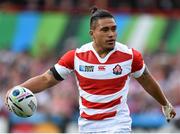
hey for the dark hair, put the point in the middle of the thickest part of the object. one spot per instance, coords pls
(98, 14)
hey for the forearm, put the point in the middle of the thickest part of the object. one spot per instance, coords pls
(35, 84)
(152, 87)
(40, 82)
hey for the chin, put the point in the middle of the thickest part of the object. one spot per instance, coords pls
(109, 48)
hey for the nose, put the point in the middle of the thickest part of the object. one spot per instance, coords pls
(111, 34)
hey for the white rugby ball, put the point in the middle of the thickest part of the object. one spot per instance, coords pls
(22, 101)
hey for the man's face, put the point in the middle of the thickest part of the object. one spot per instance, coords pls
(104, 34)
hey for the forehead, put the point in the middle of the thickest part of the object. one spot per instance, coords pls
(106, 22)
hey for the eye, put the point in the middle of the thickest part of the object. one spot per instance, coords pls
(113, 28)
(105, 29)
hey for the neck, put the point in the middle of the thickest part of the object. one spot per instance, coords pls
(100, 51)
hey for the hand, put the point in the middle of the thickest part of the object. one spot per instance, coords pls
(6, 100)
(168, 112)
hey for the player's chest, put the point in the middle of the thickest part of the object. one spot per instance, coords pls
(100, 71)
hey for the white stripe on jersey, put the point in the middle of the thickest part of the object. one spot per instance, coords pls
(119, 46)
(139, 73)
(63, 71)
(105, 98)
(90, 111)
(120, 122)
(126, 65)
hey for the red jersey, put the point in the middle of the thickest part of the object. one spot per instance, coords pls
(103, 85)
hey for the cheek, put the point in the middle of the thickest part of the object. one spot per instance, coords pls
(100, 38)
(116, 34)
(97, 36)
(101, 35)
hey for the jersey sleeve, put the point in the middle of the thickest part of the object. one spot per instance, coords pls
(138, 65)
(65, 64)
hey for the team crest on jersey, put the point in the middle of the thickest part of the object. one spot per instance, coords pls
(117, 70)
(86, 68)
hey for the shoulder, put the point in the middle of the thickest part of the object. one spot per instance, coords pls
(67, 60)
(69, 53)
(136, 54)
(67, 56)
(123, 48)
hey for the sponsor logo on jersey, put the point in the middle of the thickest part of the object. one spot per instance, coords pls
(86, 68)
(117, 70)
(101, 68)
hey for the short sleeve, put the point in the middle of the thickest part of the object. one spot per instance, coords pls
(65, 64)
(138, 65)
(67, 60)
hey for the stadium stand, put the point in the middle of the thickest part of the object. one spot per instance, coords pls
(51, 28)
(27, 24)
(7, 25)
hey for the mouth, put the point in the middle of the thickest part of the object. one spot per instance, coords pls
(111, 41)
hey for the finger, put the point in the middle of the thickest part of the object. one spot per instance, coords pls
(6, 97)
(172, 114)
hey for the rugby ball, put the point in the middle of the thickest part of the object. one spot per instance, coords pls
(21, 101)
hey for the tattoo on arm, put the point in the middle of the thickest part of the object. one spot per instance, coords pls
(145, 73)
(145, 79)
(50, 72)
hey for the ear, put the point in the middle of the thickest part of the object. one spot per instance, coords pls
(91, 33)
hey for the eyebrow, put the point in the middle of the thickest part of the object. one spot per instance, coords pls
(101, 27)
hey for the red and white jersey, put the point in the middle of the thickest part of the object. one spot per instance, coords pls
(103, 85)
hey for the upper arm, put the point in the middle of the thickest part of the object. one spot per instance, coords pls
(146, 79)
(67, 60)
(65, 64)
(145, 75)
(138, 66)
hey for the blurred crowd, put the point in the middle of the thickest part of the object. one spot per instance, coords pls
(146, 112)
(59, 105)
(84, 5)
